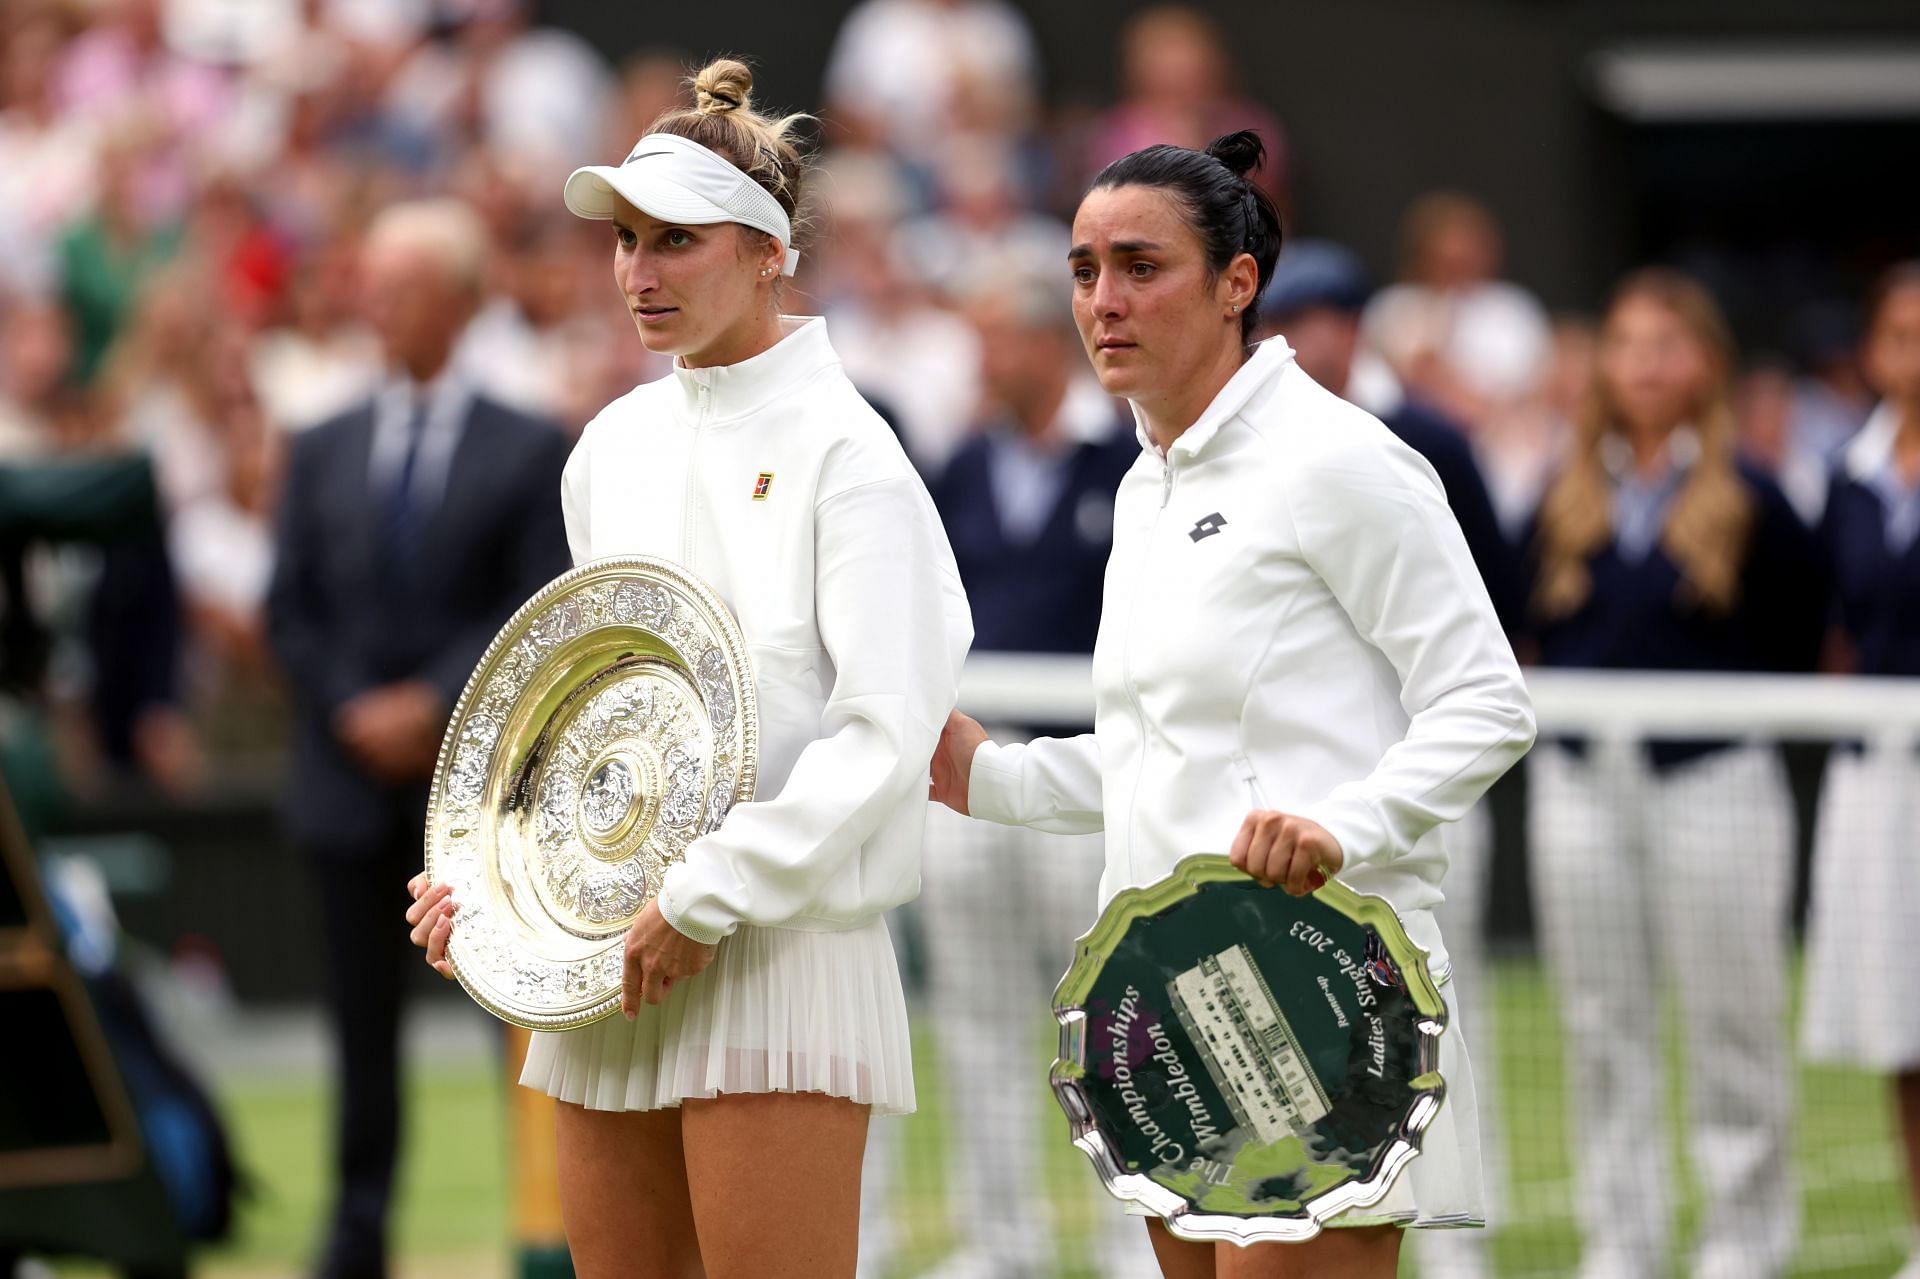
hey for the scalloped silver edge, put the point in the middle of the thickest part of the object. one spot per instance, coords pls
(1091, 951)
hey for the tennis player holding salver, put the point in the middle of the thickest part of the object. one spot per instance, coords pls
(1297, 661)
(718, 1128)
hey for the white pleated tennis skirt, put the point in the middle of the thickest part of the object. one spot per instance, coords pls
(778, 1010)
(1443, 1186)
(1862, 1004)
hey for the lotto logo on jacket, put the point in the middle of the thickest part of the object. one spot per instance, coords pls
(1207, 526)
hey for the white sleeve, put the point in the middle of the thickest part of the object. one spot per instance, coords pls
(573, 502)
(1377, 529)
(894, 621)
(1051, 784)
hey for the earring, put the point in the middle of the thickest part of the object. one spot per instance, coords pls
(1236, 308)
(766, 270)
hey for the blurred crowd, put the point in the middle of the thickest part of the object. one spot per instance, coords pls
(185, 184)
(184, 191)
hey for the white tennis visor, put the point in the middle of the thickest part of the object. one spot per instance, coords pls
(675, 179)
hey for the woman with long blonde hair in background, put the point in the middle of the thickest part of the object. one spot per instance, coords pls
(1655, 549)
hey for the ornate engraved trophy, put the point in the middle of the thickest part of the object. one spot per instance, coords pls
(610, 724)
(1246, 1064)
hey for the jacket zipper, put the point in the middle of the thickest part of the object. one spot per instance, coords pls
(1126, 657)
(1255, 797)
(701, 396)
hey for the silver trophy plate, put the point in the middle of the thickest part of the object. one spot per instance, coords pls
(610, 724)
(1244, 1064)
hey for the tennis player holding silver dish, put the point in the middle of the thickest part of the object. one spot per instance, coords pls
(718, 1127)
(1297, 661)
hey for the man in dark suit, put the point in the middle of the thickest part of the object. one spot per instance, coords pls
(411, 528)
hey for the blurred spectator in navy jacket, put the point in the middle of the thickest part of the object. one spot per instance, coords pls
(1028, 500)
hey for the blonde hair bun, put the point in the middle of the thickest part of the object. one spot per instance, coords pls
(723, 120)
(723, 85)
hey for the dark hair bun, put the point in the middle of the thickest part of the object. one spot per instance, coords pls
(1241, 152)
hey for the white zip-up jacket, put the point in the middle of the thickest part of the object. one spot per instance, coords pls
(774, 482)
(1291, 621)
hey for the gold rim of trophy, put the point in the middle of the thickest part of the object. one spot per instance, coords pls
(611, 723)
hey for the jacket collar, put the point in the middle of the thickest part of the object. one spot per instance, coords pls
(1268, 360)
(1872, 448)
(735, 390)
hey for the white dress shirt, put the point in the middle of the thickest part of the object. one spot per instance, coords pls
(447, 399)
(1870, 460)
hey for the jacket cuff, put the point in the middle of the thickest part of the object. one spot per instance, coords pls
(993, 786)
(677, 907)
(1353, 823)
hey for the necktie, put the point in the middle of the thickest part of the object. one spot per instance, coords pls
(403, 509)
